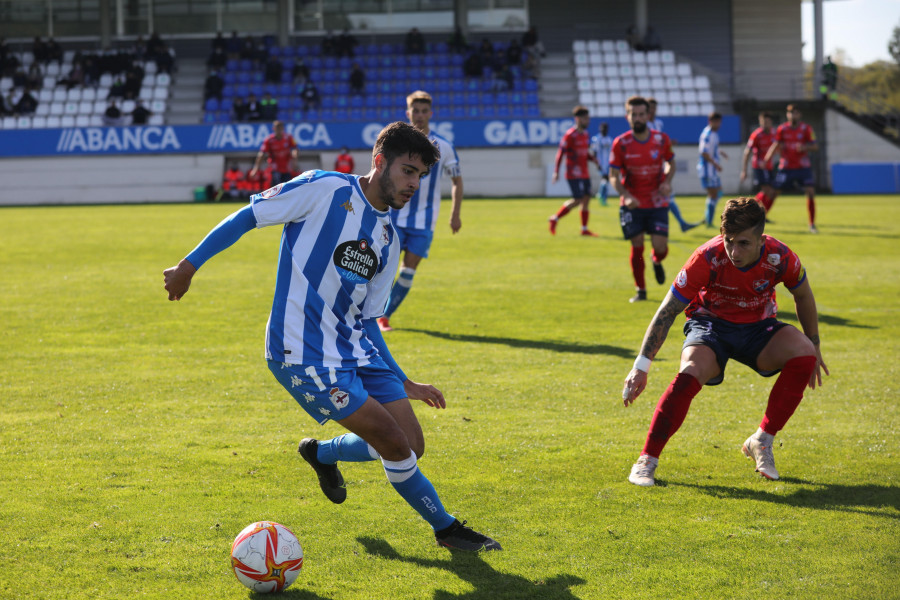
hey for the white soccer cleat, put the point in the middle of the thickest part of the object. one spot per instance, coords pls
(762, 454)
(643, 470)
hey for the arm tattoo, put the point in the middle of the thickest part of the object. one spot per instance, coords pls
(660, 325)
(814, 339)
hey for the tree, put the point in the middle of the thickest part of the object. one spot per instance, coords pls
(894, 44)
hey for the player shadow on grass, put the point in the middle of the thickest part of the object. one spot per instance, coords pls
(489, 584)
(533, 344)
(295, 593)
(827, 319)
(867, 499)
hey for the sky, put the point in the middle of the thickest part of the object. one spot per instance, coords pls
(861, 28)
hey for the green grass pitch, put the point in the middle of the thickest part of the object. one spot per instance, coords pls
(139, 436)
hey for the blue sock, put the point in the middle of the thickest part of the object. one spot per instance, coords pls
(603, 193)
(418, 492)
(400, 289)
(348, 448)
(676, 212)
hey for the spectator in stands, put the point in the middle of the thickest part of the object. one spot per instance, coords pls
(357, 80)
(27, 103)
(329, 44)
(219, 42)
(504, 79)
(274, 69)
(513, 53)
(91, 70)
(132, 85)
(457, 42)
(343, 163)
(35, 79)
(487, 52)
(531, 67)
(20, 77)
(346, 44)
(473, 65)
(310, 96)
(268, 108)
(300, 72)
(217, 59)
(54, 51)
(233, 46)
(140, 115)
(4, 52)
(6, 107)
(113, 115)
(415, 42)
(651, 40)
(239, 110)
(117, 89)
(138, 51)
(632, 37)
(232, 180)
(154, 46)
(213, 86)
(829, 79)
(253, 108)
(531, 41)
(165, 60)
(39, 50)
(11, 62)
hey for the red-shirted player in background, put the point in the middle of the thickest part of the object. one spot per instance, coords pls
(794, 140)
(758, 145)
(344, 161)
(728, 288)
(232, 180)
(575, 145)
(641, 169)
(281, 149)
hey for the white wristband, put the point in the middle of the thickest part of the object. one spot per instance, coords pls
(642, 363)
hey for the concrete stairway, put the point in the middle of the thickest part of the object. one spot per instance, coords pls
(186, 100)
(559, 91)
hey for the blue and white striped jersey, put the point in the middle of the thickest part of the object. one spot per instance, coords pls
(336, 266)
(602, 146)
(709, 143)
(421, 212)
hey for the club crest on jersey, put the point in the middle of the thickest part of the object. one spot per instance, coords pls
(774, 259)
(385, 235)
(681, 280)
(760, 285)
(339, 398)
(356, 261)
(272, 191)
(654, 154)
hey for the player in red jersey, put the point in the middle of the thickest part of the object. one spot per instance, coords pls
(232, 180)
(641, 170)
(576, 147)
(794, 140)
(281, 149)
(728, 288)
(344, 162)
(758, 145)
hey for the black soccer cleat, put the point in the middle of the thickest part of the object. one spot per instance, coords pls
(330, 479)
(659, 272)
(640, 296)
(459, 537)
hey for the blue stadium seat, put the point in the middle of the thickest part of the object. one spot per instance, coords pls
(327, 114)
(328, 101)
(341, 114)
(327, 89)
(312, 114)
(415, 60)
(209, 116)
(211, 104)
(257, 77)
(458, 112)
(315, 62)
(488, 111)
(296, 115)
(356, 114)
(288, 51)
(345, 62)
(241, 90)
(370, 114)
(228, 91)
(473, 85)
(503, 111)
(400, 61)
(473, 112)
(232, 64)
(343, 87)
(473, 98)
(371, 101)
(443, 60)
(457, 85)
(245, 64)
(533, 111)
(386, 114)
(356, 102)
(370, 61)
(243, 77)
(330, 62)
(302, 50)
(296, 102)
(429, 60)
(531, 85)
(274, 51)
(517, 111)
(230, 77)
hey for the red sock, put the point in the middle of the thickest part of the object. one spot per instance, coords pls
(637, 267)
(764, 200)
(563, 211)
(811, 209)
(787, 392)
(585, 214)
(658, 257)
(670, 412)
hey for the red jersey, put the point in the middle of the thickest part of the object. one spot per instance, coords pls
(759, 143)
(576, 146)
(713, 287)
(279, 151)
(792, 140)
(344, 163)
(232, 179)
(641, 166)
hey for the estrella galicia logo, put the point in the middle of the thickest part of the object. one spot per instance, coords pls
(760, 284)
(356, 261)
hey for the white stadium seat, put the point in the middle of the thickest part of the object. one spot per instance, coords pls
(701, 82)
(675, 97)
(146, 94)
(585, 97)
(613, 84)
(156, 120)
(43, 109)
(6, 84)
(89, 94)
(74, 95)
(626, 70)
(39, 122)
(127, 106)
(595, 58)
(85, 107)
(609, 58)
(639, 58)
(582, 71)
(611, 71)
(684, 69)
(662, 109)
(150, 67)
(71, 108)
(601, 97)
(593, 45)
(667, 56)
(617, 98)
(654, 71)
(584, 85)
(82, 121)
(96, 120)
(9, 123)
(608, 46)
(690, 97)
(57, 108)
(53, 121)
(23, 123)
(686, 83)
(669, 70)
(579, 46)
(653, 57)
(600, 83)
(160, 92)
(622, 46)
(49, 83)
(676, 110)
(641, 70)
(704, 96)
(67, 121)
(662, 96)
(106, 80)
(59, 95)
(158, 106)
(692, 109)
(623, 58)
(598, 71)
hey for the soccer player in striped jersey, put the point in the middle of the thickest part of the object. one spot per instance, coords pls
(709, 165)
(575, 146)
(656, 124)
(338, 256)
(794, 141)
(601, 146)
(416, 221)
(728, 288)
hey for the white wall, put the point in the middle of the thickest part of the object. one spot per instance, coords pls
(849, 142)
(108, 179)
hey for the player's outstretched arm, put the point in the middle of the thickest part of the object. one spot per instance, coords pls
(808, 315)
(656, 334)
(456, 194)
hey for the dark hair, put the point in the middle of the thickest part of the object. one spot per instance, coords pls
(402, 139)
(715, 116)
(637, 101)
(767, 115)
(741, 214)
(580, 111)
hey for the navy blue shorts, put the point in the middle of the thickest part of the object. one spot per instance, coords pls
(281, 177)
(654, 221)
(788, 178)
(580, 187)
(764, 177)
(741, 341)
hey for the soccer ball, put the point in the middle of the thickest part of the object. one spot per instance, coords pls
(266, 557)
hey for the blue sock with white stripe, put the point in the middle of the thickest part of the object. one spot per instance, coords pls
(676, 212)
(348, 448)
(418, 492)
(400, 289)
